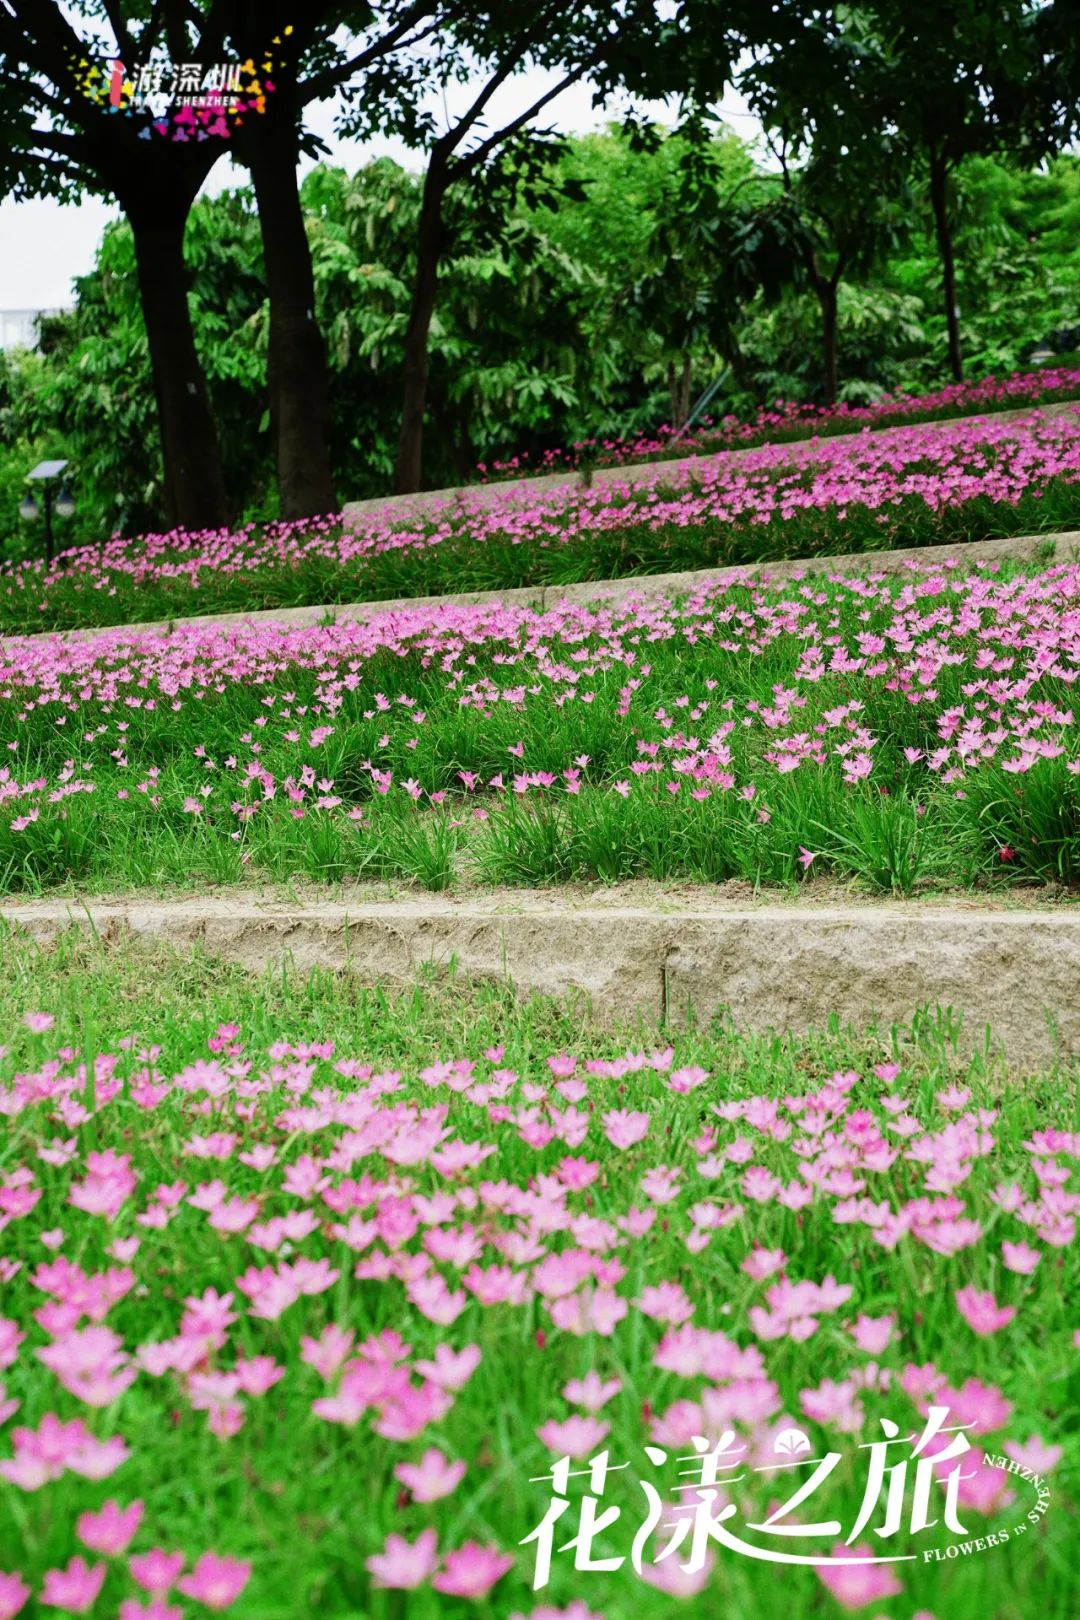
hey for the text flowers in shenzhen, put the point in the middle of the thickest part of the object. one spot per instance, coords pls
(900, 1494)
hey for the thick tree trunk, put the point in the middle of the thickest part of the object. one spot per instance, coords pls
(678, 382)
(296, 363)
(409, 468)
(939, 203)
(194, 481)
(737, 361)
(685, 400)
(826, 290)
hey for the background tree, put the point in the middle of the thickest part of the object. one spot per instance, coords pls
(964, 78)
(716, 239)
(323, 46)
(819, 93)
(606, 40)
(62, 142)
(534, 345)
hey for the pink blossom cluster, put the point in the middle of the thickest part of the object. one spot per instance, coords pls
(380, 1249)
(982, 665)
(771, 421)
(936, 467)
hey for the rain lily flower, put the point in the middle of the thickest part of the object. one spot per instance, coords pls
(472, 1570)
(111, 1529)
(858, 1584)
(981, 1311)
(215, 1582)
(403, 1564)
(74, 1589)
(14, 1593)
(432, 1477)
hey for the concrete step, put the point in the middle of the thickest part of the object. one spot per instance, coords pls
(773, 965)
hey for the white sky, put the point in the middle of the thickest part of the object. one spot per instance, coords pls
(43, 245)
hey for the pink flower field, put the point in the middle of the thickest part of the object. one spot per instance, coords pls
(320, 1325)
(788, 419)
(320, 1301)
(907, 486)
(904, 732)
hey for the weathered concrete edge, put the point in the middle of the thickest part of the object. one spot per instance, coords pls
(646, 587)
(1016, 972)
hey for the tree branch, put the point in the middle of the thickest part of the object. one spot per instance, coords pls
(472, 160)
(46, 40)
(175, 13)
(324, 84)
(125, 45)
(447, 144)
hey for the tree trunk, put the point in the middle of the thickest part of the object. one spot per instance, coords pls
(194, 481)
(684, 395)
(408, 471)
(737, 361)
(939, 202)
(296, 362)
(826, 288)
(673, 396)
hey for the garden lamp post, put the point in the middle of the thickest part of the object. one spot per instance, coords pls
(45, 473)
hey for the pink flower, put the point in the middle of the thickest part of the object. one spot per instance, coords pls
(328, 1352)
(804, 858)
(858, 1584)
(873, 1333)
(111, 1529)
(432, 1477)
(215, 1581)
(44, 1454)
(591, 1392)
(1035, 1454)
(38, 1022)
(156, 1571)
(450, 1370)
(982, 1485)
(1020, 1257)
(471, 1571)
(981, 1311)
(402, 1564)
(672, 1577)
(73, 1589)
(761, 1263)
(575, 1437)
(13, 1595)
(623, 1128)
(10, 1340)
(91, 1365)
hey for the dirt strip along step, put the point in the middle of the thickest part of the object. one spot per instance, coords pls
(775, 966)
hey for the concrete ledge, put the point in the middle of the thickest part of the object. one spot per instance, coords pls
(646, 587)
(783, 966)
